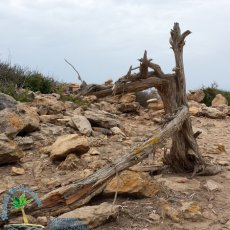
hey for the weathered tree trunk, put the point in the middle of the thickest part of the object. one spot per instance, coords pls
(184, 154)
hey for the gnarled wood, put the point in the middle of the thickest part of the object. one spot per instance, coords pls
(79, 193)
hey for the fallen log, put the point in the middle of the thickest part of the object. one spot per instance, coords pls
(79, 193)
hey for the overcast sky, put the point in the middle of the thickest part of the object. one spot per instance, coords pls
(102, 38)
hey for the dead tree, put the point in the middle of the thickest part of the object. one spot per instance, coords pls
(184, 155)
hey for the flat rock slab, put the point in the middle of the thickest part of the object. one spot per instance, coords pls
(93, 216)
(101, 118)
(66, 144)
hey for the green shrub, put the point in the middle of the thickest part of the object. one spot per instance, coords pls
(16, 77)
(37, 82)
(212, 91)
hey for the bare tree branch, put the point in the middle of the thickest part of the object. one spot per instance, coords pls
(79, 77)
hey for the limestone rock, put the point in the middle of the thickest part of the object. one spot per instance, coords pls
(194, 108)
(25, 143)
(101, 118)
(6, 101)
(219, 100)
(21, 119)
(17, 171)
(212, 113)
(69, 143)
(168, 210)
(93, 216)
(116, 130)
(155, 104)
(9, 153)
(212, 185)
(191, 210)
(128, 98)
(133, 107)
(196, 95)
(50, 118)
(82, 124)
(49, 104)
(71, 162)
(154, 216)
(138, 184)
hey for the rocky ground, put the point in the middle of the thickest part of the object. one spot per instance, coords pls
(47, 144)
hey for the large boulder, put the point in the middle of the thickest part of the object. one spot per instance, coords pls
(137, 184)
(219, 100)
(9, 153)
(49, 104)
(101, 118)
(66, 144)
(196, 95)
(21, 119)
(7, 101)
(93, 216)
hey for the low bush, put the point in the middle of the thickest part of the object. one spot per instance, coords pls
(14, 77)
(210, 93)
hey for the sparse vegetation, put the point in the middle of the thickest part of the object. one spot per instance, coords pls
(18, 81)
(13, 78)
(212, 91)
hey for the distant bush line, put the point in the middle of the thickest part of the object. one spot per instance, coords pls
(212, 91)
(15, 77)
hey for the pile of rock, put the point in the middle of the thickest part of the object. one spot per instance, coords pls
(219, 108)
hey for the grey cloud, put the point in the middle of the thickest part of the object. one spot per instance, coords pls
(102, 38)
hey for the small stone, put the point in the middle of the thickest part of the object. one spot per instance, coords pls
(42, 220)
(191, 211)
(17, 171)
(212, 185)
(70, 163)
(210, 206)
(116, 130)
(94, 152)
(154, 216)
(169, 211)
